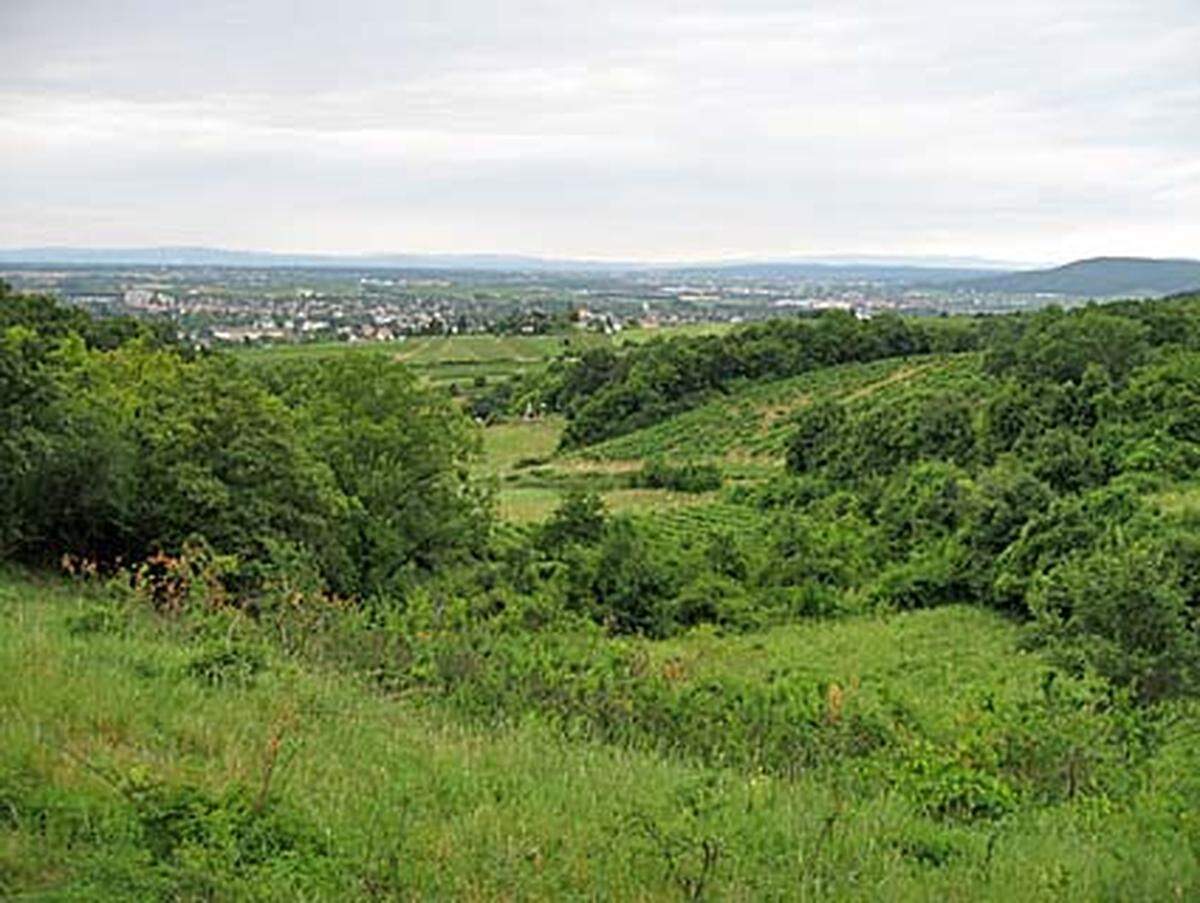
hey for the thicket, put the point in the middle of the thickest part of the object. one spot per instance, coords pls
(116, 445)
(1027, 490)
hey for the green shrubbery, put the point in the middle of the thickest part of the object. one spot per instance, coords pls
(114, 451)
(1009, 487)
(687, 477)
(1030, 492)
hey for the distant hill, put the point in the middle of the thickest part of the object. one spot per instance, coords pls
(1099, 277)
(922, 270)
(820, 271)
(221, 257)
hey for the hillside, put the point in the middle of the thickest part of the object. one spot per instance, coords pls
(844, 610)
(1100, 277)
(754, 420)
(149, 757)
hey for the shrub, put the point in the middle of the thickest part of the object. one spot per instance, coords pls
(579, 518)
(1125, 609)
(687, 477)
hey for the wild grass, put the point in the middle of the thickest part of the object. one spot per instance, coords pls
(508, 445)
(125, 776)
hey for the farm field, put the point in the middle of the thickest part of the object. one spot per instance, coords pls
(468, 363)
(519, 456)
(464, 360)
(744, 431)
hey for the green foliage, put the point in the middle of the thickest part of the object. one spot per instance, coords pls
(579, 518)
(945, 787)
(1059, 347)
(399, 456)
(816, 430)
(687, 477)
(52, 322)
(627, 584)
(115, 455)
(929, 501)
(605, 395)
(1127, 610)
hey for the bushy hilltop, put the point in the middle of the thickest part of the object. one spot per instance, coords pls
(118, 449)
(958, 606)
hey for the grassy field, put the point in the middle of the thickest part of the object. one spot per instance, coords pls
(520, 456)
(127, 771)
(508, 444)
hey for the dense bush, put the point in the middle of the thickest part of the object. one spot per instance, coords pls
(1127, 609)
(115, 453)
(687, 477)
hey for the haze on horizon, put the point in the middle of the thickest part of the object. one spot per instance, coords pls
(630, 129)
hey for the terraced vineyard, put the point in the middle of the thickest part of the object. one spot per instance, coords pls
(754, 422)
(695, 523)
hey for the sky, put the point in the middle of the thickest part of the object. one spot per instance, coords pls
(1025, 130)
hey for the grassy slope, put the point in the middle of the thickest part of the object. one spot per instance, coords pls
(937, 664)
(389, 799)
(753, 421)
(746, 431)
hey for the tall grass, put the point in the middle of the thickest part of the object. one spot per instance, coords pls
(128, 773)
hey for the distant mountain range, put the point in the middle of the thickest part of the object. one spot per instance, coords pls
(1099, 277)
(200, 256)
(220, 257)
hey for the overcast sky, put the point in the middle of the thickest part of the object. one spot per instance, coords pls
(1029, 130)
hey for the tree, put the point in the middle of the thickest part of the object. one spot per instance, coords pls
(398, 453)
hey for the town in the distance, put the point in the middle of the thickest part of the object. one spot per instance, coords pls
(217, 298)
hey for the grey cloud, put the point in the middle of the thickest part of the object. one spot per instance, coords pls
(1024, 129)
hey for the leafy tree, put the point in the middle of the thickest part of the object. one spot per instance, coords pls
(579, 518)
(1059, 347)
(398, 453)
